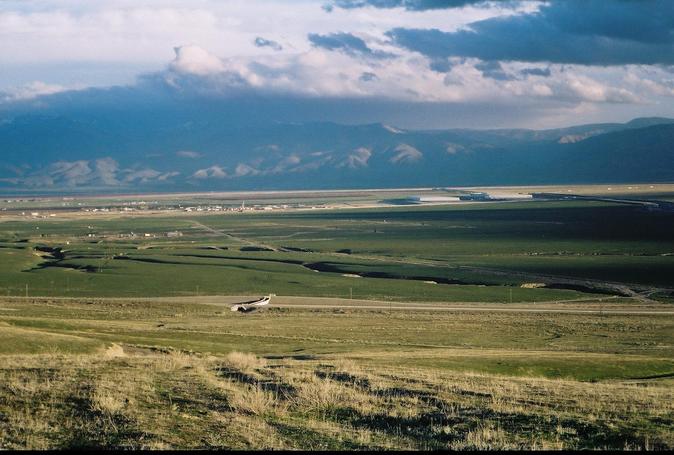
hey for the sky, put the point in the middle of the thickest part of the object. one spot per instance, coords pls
(413, 63)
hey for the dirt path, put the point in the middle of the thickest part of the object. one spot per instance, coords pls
(571, 306)
(615, 306)
(230, 236)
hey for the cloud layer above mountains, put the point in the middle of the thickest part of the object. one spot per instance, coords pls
(510, 63)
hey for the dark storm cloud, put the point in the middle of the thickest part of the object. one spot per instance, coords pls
(410, 5)
(368, 77)
(543, 72)
(588, 32)
(347, 43)
(440, 65)
(262, 42)
(493, 70)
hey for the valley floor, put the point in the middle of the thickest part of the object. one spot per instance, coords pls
(540, 324)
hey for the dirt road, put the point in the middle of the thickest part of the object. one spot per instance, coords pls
(608, 306)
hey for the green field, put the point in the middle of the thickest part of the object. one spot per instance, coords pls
(428, 339)
(481, 252)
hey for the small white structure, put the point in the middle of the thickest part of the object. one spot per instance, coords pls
(253, 304)
(432, 199)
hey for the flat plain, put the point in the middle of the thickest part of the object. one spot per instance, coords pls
(535, 324)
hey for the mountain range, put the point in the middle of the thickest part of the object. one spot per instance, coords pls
(122, 146)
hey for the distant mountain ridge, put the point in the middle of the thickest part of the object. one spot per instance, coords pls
(117, 149)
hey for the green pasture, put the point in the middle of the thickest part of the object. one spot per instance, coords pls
(478, 252)
(572, 346)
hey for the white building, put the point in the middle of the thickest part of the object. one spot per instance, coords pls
(432, 199)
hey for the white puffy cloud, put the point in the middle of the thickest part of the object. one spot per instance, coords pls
(146, 30)
(192, 59)
(214, 51)
(318, 72)
(31, 90)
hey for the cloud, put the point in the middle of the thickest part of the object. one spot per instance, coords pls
(410, 5)
(493, 70)
(587, 32)
(262, 42)
(368, 76)
(542, 72)
(405, 154)
(30, 91)
(347, 43)
(316, 72)
(440, 65)
(195, 60)
(320, 72)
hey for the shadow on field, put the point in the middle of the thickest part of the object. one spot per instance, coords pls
(445, 423)
(101, 429)
(273, 385)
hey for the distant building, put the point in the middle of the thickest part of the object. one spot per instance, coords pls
(475, 197)
(553, 196)
(432, 199)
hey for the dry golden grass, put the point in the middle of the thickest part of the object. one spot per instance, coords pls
(244, 362)
(160, 400)
(253, 400)
(110, 397)
(486, 437)
(115, 351)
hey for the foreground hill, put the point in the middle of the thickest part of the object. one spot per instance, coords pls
(170, 375)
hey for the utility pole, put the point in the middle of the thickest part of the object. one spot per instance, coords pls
(26, 290)
(510, 295)
(351, 293)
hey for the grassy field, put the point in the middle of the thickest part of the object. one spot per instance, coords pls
(480, 252)
(480, 326)
(136, 374)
